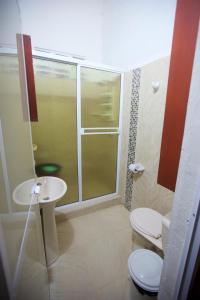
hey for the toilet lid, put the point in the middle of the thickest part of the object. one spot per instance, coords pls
(145, 268)
(147, 220)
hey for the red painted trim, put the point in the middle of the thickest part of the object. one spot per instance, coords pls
(180, 72)
(30, 78)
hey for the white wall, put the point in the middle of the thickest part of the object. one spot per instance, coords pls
(137, 32)
(72, 26)
(122, 33)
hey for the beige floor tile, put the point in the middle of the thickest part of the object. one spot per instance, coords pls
(94, 250)
(116, 290)
(108, 257)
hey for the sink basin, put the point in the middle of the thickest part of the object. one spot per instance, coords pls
(51, 190)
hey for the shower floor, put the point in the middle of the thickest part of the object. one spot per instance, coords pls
(94, 249)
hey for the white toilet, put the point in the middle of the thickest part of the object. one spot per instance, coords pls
(145, 266)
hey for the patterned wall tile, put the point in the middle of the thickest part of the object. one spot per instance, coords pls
(132, 135)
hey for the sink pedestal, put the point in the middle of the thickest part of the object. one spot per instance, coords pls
(50, 233)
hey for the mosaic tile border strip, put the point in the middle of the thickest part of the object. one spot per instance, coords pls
(132, 134)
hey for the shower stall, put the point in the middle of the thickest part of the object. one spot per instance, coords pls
(77, 132)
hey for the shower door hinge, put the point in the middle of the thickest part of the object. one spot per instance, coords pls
(82, 131)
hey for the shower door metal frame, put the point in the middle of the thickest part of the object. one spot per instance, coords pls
(61, 58)
(81, 131)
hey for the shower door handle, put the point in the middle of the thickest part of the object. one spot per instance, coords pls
(93, 131)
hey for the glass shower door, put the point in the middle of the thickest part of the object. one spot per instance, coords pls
(100, 103)
(77, 128)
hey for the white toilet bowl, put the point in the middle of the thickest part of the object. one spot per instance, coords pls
(145, 266)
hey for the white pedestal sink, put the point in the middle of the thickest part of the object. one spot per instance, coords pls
(49, 190)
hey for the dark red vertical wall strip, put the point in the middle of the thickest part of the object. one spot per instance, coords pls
(30, 78)
(182, 56)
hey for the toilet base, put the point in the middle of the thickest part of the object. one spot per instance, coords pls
(144, 292)
(145, 269)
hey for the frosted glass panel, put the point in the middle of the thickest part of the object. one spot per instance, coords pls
(16, 166)
(99, 165)
(100, 98)
(16, 156)
(55, 133)
(15, 124)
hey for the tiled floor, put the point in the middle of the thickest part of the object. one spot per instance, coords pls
(93, 263)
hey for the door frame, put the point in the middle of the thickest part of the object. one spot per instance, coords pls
(190, 253)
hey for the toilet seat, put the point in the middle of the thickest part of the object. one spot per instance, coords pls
(147, 221)
(145, 269)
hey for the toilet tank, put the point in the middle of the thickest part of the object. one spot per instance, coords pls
(165, 230)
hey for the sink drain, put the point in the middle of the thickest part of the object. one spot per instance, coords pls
(46, 198)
